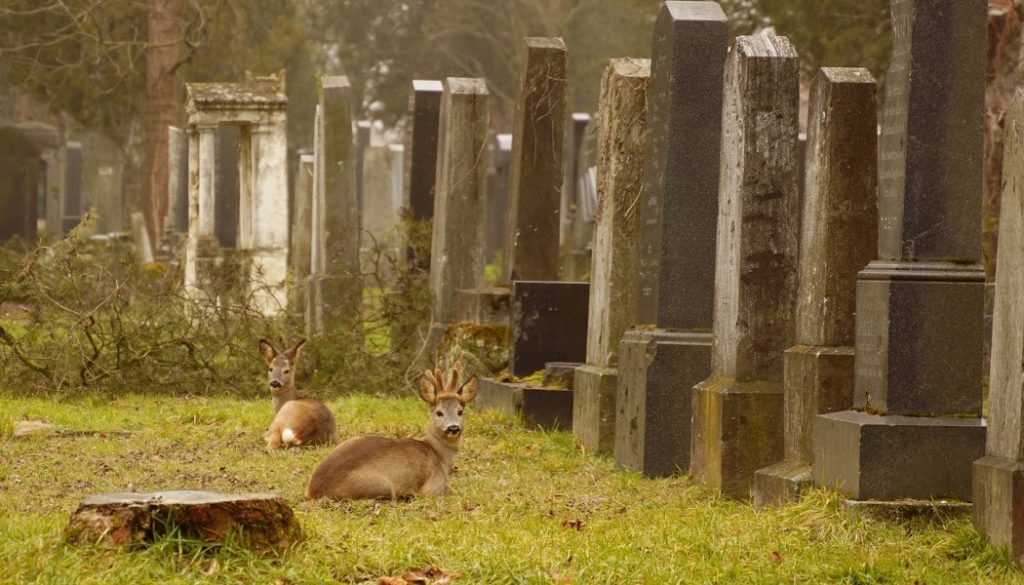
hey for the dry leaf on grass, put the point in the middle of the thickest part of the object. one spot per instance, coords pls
(425, 576)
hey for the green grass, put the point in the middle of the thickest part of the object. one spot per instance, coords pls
(527, 507)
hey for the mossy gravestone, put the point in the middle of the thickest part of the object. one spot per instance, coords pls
(262, 522)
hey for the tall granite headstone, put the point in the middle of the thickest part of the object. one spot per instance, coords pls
(536, 183)
(916, 428)
(670, 350)
(456, 256)
(737, 411)
(839, 238)
(998, 487)
(424, 114)
(622, 126)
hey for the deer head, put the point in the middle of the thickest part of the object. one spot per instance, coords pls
(281, 366)
(447, 396)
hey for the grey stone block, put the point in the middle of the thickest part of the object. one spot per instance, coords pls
(593, 407)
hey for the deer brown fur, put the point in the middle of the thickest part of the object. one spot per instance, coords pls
(297, 420)
(383, 468)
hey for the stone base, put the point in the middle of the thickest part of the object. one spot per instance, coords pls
(593, 407)
(871, 457)
(908, 510)
(547, 408)
(657, 371)
(737, 429)
(782, 483)
(999, 503)
(487, 306)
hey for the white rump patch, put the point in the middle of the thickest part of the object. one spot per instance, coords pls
(288, 437)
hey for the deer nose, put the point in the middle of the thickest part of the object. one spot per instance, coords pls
(453, 430)
(275, 384)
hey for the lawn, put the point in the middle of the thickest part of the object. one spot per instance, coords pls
(527, 507)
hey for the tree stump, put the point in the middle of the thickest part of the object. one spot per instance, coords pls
(262, 522)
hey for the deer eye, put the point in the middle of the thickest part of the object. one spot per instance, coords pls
(460, 412)
(287, 371)
(439, 413)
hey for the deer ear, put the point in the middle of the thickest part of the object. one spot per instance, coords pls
(428, 390)
(467, 392)
(293, 353)
(267, 351)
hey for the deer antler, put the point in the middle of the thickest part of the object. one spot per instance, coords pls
(455, 378)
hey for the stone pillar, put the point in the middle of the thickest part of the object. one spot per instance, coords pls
(670, 351)
(839, 238)
(177, 180)
(737, 411)
(537, 135)
(620, 162)
(268, 246)
(314, 313)
(456, 256)
(300, 258)
(998, 489)
(915, 428)
(338, 280)
(205, 190)
(424, 116)
(379, 212)
(575, 233)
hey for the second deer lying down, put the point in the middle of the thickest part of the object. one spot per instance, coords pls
(297, 421)
(382, 468)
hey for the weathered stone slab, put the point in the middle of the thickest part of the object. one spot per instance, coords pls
(549, 323)
(839, 237)
(654, 399)
(560, 374)
(737, 423)
(177, 180)
(613, 278)
(998, 488)
(456, 258)
(263, 522)
(545, 408)
(892, 457)
(300, 255)
(536, 175)
(140, 237)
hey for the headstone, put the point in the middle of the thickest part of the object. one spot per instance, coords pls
(263, 522)
(670, 350)
(21, 172)
(102, 178)
(574, 236)
(396, 157)
(549, 324)
(337, 285)
(622, 127)
(497, 199)
(140, 236)
(177, 178)
(46, 139)
(300, 258)
(226, 187)
(737, 411)
(424, 111)
(998, 484)
(456, 257)
(379, 212)
(72, 211)
(536, 183)
(916, 426)
(839, 237)
(364, 131)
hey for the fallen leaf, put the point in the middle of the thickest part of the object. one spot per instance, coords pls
(392, 581)
(433, 516)
(776, 556)
(211, 568)
(578, 524)
(468, 506)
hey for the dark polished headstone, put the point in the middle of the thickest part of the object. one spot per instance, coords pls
(676, 243)
(920, 309)
(549, 324)
(424, 110)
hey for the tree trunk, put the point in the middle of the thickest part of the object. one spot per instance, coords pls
(163, 105)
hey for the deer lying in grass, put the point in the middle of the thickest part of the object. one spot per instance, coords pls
(297, 421)
(380, 468)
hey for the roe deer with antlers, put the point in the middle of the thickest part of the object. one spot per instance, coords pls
(381, 468)
(297, 421)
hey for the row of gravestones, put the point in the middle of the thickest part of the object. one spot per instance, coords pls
(759, 342)
(47, 185)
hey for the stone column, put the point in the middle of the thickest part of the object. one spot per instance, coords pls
(456, 256)
(916, 427)
(839, 238)
(737, 412)
(998, 489)
(575, 235)
(670, 350)
(269, 212)
(622, 126)
(201, 249)
(536, 184)
(338, 280)
(177, 180)
(300, 255)
(205, 191)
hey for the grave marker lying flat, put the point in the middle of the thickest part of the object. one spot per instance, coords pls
(263, 522)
